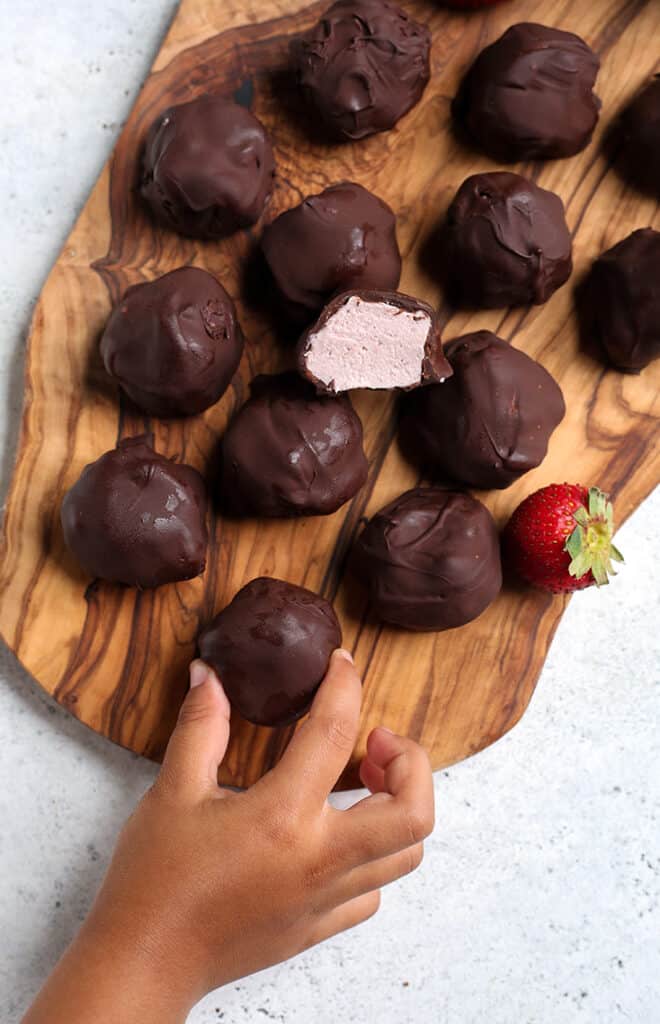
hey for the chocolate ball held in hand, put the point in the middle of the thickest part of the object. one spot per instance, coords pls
(528, 96)
(134, 517)
(271, 648)
(174, 344)
(208, 168)
(291, 452)
(621, 301)
(430, 559)
(507, 242)
(343, 238)
(362, 67)
(492, 420)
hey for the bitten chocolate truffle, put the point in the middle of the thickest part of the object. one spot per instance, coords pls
(622, 301)
(271, 647)
(174, 344)
(640, 137)
(290, 452)
(528, 96)
(373, 339)
(135, 517)
(492, 420)
(430, 559)
(362, 67)
(343, 238)
(208, 168)
(507, 242)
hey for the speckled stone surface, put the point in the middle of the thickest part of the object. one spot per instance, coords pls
(538, 900)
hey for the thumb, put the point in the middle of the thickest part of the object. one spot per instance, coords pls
(199, 741)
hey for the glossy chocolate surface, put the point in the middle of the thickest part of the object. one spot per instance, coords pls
(291, 452)
(271, 647)
(430, 560)
(343, 238)
(622, 301)
(363, 66)
(639, 131)
(508, 242)
(174, 344)
(134, 517)
(528, 96)
(208, 168)
(492, 420)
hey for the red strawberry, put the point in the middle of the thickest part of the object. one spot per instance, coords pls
(560, 538)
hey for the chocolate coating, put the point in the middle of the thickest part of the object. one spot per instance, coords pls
(431, 559)
(492, 420)
(640, 135)
(208, 168)
(135, 517)
(368, 351)
(622, 301)
(174, 344)
(528, 96)
(507, 242)
(343, 238)
(363, 66)
(271, 647)
(290, 452)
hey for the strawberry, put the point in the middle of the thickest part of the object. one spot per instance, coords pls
(560, 538)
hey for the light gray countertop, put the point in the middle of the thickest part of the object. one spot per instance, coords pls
(538, 900)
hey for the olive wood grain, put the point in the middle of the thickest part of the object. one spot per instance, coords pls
(117, 658)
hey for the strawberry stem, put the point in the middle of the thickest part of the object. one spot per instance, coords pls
(590, 543)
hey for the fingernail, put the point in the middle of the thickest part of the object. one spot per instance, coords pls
(346, 655)
(383, 728)
(199, 673)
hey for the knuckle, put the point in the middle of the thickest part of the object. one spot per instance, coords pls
(339, 733)
(280, 827)
(418, 823)
(314, 876)
(415, 857)
(193, 711)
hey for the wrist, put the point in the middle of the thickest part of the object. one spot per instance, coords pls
(160, 972)
(118, 970)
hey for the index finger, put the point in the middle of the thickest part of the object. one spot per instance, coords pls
(402, 814)
(320, 749)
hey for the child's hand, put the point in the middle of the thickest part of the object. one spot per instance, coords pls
(208, 885)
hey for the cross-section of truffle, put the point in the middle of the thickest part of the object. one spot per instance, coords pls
(370, 339)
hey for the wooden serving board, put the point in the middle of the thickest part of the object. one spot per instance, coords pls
(117, 658)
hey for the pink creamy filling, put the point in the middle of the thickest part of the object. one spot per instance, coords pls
(369, 345)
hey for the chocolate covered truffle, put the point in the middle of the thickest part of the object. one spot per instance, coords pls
(135, 517)
(373, 339)
(208, 168)
(430, 559)
(291, 452)
(492, 420)
(621, 301)
(507, 242)
(639, 131)
(271, 648)
(341, 239)
(362, 67)
(528, 96)
(174, 344)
